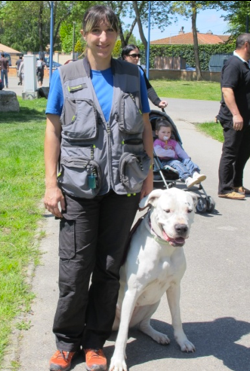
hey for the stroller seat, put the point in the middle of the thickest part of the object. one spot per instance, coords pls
(165, 175)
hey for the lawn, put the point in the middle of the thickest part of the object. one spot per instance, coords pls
(22, 189)
(202, 90)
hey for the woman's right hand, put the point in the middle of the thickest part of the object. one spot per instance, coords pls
(52, 198)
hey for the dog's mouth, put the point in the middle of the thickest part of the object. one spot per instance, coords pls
(178, 241)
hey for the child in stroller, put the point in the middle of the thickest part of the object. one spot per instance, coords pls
(171, 154)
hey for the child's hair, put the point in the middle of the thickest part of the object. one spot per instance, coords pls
(162, 122)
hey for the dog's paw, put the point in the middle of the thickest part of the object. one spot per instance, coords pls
(161, 338)
(187, 346)
(117, 365)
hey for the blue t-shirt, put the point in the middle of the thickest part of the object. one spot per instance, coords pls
(103, 85)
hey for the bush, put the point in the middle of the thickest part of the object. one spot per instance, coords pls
(187, 52)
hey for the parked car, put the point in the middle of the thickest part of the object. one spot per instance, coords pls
(217, 61)
(189, 68)
(54, 64)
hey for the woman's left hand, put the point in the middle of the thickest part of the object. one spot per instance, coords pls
(163, 104)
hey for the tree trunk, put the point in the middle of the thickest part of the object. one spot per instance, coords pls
(141, 32)
(40, 27)
(195, 42)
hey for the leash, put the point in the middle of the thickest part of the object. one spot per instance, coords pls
(131, 233)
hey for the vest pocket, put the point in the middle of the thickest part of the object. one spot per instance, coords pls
(84, 123)
(80, 177)
(133, 170)
(130, 118)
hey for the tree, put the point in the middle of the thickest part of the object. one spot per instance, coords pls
(161, 16)
(238, 16)
(190, 9)
(25, 25)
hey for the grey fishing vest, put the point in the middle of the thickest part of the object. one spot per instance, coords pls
(96, 155)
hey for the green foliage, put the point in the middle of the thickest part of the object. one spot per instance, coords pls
(117, 49)
(238, 16)
(80, 46)
(187, 52)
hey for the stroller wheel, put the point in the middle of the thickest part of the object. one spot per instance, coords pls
(210, 204)
(201, 205)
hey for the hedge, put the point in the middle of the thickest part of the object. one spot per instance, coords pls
(187, 52)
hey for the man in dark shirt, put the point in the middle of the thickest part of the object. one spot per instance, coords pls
(4, 66)
(234, 116)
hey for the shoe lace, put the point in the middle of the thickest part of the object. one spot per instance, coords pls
(98, 352)
(63, 355)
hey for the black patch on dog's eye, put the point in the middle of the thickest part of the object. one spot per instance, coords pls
(190, 210)
(168, 211)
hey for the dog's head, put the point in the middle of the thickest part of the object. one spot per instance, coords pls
(172, 214)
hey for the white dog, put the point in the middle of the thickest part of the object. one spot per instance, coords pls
(155, 264)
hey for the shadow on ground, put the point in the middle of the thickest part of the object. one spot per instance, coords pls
(217, 339)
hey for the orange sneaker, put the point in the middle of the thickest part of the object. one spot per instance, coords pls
(95, 360)
(61, 360)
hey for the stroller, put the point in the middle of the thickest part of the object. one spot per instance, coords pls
(167, 176)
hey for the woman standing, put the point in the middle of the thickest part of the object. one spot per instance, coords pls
(98, 130)
(131, 54)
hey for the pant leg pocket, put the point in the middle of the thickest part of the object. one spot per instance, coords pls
(67, 241)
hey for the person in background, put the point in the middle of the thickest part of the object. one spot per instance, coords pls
(131, 54)
(234, 116)
(4, 66)
(21, 71)
(41, 66)
(90, 139)
(18, 62)
(172, 154)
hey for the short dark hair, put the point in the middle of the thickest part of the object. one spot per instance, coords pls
(162, 122)
(127, 50)
(97, 13)
(242, 39)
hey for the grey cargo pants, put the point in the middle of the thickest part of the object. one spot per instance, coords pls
(92, 239)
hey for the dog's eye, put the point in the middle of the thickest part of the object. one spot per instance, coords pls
(168, 211)
(190, 211)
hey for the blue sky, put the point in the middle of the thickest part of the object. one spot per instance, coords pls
(206, 20)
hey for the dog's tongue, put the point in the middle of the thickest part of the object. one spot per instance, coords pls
(173, 241)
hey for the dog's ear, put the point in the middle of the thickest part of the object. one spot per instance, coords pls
(194, 197)
(149, 199)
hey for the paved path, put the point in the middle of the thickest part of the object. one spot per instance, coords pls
(215, 289)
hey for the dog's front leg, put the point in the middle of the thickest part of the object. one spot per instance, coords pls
(118, 359)
(173, 297)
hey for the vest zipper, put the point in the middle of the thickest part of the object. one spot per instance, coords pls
(108, 130)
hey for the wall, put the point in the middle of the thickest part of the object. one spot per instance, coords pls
(182, 75)
(160, 74)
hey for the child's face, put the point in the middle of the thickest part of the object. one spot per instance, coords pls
(164, 133)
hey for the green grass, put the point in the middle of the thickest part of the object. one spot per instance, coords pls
(21, 190)
(202, 90)
(212, 129)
